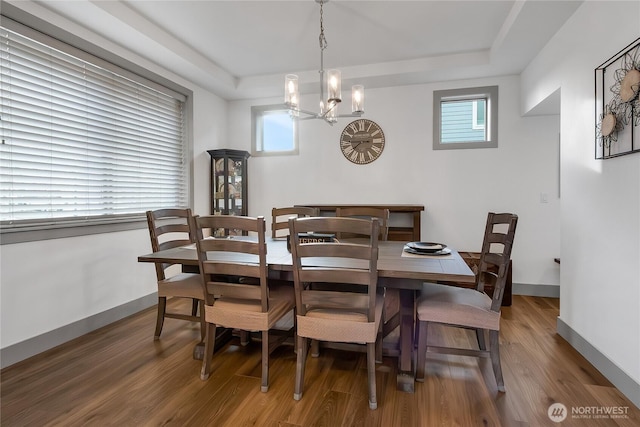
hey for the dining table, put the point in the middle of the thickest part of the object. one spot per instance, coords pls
(397, 269)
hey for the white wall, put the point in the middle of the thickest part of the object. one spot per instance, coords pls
(210, 132)
(53, 283)
(600, 275)
(457, 187)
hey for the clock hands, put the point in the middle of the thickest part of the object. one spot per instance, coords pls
(358, 144)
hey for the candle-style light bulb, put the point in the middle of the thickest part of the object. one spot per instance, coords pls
(333, 86)
(291, 95)
(357, 99)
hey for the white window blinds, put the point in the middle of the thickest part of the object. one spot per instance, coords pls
(80, 142)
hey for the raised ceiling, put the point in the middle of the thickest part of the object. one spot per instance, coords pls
(242, 49)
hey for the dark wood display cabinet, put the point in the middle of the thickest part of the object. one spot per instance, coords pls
(228, 185)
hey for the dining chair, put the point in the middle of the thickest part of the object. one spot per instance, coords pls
(367, 212)
(391, 296)
(253, 306)
(280, 218)
(471, 308)
(170, 228)
(350, 312)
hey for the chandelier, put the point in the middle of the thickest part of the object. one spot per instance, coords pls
(329, 105)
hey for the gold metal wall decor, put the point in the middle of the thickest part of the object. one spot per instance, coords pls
(617, 84)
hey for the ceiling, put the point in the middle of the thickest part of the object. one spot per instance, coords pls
(242, 49)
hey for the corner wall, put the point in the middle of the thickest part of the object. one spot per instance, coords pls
(600, 212)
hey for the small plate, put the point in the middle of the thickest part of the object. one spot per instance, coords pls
(426, 247)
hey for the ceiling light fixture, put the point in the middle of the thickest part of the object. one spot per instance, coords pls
(328, 106)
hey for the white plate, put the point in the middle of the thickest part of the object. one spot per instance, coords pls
(410, 250)
(426, 247)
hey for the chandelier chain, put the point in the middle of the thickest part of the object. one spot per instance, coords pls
(322, 39)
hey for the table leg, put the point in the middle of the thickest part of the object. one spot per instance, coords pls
(406, 376)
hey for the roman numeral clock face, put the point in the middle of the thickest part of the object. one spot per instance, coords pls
(362, 141)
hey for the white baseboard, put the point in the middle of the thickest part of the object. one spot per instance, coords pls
(32, 346)
(548, 291)
(623, 382)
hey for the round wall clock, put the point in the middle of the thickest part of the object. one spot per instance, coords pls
(362, 141)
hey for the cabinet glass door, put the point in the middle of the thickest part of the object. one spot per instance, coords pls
(228, 184)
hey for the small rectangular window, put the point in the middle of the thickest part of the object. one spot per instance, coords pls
(274, 131)
(465, 118)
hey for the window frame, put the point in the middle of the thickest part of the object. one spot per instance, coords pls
(42, 31)
(259, 111)
(490, 93)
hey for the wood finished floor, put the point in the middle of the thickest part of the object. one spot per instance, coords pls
(119, 376)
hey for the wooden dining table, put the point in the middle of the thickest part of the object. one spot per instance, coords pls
(396, 269)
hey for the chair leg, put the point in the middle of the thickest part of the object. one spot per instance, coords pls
(295, 333)
(315, 348)
(265, 362)
(245, 338)
(494, 352)
(203, 323)
(482, 344)
(421, 350)
(371, 371)
(162, 308)
(379, 339)
(194, 306)
(300, 362)
(208, 351)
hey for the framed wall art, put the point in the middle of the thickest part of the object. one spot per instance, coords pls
(617, 84)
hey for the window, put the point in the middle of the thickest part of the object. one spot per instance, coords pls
(465, 118)
(274, 131)
(83, 143)
(479, 114)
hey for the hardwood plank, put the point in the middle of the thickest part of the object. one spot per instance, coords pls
(119, 376)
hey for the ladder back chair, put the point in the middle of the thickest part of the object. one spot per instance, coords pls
(366, 213)
(280, 218)
(391, 296)
(252, 306)
(471, 308)
(351, 311)
(170, 228)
